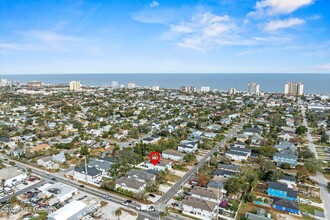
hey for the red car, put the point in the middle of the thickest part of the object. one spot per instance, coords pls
(31, 179)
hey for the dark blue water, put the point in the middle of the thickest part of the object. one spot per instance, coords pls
(314, 83)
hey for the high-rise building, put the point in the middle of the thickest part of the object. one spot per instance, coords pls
(205, 89)
(75, 86)
(253, 88)
(114, 84)
(231, 91)
(188, 88)
(294, 89)
(155, 88)
(4, 82)
(131, 85)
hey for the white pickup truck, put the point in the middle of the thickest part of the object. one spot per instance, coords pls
(147, 208)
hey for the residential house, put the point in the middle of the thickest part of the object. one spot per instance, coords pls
(285, 145)
(280, 190)
(286, 205)
(205, 194)
(130, 184)
(224, 173)
(162, 165)
(217, 183)
(287, 136)
(210, 135)
(100, 164)
(229, 167)
(45, 162)
(172, 155)
(281, 158)
(93, 175)
(239, 144)
(199, 208)
(188, 146)
(141, 175)
(236, 153)
(290, 181)
(253, 131)
(59, 158)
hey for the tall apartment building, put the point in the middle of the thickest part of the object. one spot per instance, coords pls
(253, 88)
(155, 88)
(231, 91)
(188, 88)
(114, 84)
(294, 89)
(131, 85)
(4, 82)
(75, 86)
(205, 89)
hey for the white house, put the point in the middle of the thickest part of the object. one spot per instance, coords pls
(130, 184)
(205, 194)
(94, 175)
(12, 175)
(73, 210)
(235, 155)
(172, 155)
(199, 208)
(46, 162)
(162, 165)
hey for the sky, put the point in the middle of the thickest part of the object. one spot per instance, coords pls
(164, 36)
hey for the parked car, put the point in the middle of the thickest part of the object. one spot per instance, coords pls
(152, 195)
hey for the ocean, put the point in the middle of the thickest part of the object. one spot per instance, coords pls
(313, 83)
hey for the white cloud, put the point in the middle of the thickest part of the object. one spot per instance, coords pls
(154, 4)
(282, 24)
(50, 37)
(202, 29)
(323, 67)
(9, 46)
(276, 7)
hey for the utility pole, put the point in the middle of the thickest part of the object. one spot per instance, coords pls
(86, 169)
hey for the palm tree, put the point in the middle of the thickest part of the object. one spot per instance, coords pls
(118, 213)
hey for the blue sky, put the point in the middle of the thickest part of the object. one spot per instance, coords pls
(172, 36)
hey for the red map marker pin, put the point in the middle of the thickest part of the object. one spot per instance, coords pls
(154, 157)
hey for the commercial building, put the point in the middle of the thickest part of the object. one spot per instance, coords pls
(294, 89)
(4, 82)
(131, 85)
(114, 84)
(253, 88)
(205, 89)
(231, 91)
(12, 175)
(75, 86)
(188, 88)
(72, 211)
(59, 190)
(155, 88)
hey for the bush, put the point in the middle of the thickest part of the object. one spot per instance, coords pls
(329, 187)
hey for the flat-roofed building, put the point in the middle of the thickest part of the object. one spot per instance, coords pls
(12, 175)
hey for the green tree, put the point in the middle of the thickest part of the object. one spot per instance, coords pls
(285, 166)
(152, 186)
(84, 150)
(233, 185)
(118, 213)
(313, 165)
(301, 130)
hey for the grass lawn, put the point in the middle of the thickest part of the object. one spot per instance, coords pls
(308, 208)
(172, 178)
